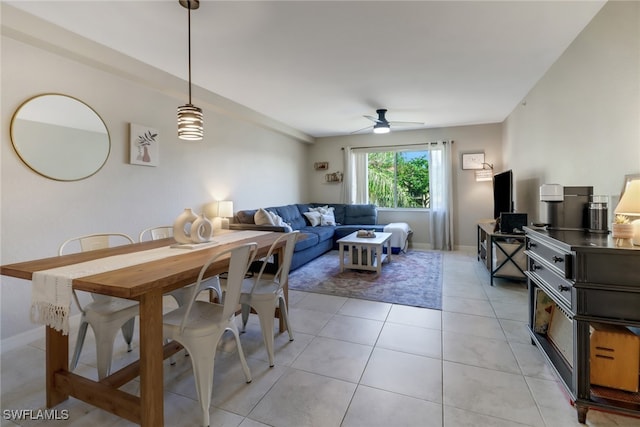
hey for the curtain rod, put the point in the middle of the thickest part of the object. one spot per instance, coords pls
(402, 145)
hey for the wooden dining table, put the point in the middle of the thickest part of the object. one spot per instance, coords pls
(145, 283)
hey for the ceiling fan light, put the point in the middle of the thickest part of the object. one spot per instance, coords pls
(381, 128)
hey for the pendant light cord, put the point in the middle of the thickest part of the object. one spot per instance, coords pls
(189, 45)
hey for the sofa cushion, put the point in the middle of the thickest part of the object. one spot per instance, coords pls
(323, 233)
(246, 217)
(360, 214)
(310, 239)
(291, 215)
(313, 236)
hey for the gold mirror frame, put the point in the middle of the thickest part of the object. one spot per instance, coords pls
(60, 137)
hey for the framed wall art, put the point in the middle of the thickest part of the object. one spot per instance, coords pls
(472, 160)
(144, 145)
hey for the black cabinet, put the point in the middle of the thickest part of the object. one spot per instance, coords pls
(591, 281)
(501, 253)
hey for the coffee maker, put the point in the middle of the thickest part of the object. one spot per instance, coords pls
(567, 207)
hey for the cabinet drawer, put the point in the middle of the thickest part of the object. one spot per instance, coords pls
(560, 260)
(613, 305)
(560, 287)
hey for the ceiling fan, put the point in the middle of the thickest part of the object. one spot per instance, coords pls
(382, 125)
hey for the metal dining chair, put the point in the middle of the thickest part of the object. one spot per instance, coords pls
(181, 294)
(199, 325)
(105, 314)
(156, 233)
(264, 292)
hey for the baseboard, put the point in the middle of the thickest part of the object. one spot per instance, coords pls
(467, 249)
(27, 337)
(429, 246)
(420, 246)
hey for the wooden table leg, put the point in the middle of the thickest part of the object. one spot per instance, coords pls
(151, 356)
(57, 359)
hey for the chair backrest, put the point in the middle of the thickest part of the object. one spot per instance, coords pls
(157, 233)
(91, 242)
(240, 257)
(282, 275)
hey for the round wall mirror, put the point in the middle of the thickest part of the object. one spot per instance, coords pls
(60, 137)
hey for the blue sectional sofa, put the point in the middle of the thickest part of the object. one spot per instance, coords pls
(319, 239)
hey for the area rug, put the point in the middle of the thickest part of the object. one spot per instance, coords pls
(413, 278)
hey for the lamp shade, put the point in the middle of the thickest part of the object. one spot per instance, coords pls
(225, 208)
(629, 203)
(190, 123)
(219, 209)
(484, 175)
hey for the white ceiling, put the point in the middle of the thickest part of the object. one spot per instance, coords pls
(319, 66)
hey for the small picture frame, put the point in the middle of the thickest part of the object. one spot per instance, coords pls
(472, 161)
(144, 145)
(320, 166)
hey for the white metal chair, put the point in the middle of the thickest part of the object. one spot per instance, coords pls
(199, 325)
(156, 233)
(105, 314)
(181, 294)
(265, 292)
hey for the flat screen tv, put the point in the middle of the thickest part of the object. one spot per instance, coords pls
(502, 193)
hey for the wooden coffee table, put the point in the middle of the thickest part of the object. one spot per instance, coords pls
(364, 253)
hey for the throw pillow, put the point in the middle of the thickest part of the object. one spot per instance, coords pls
(313, 217)
(279, 222)
(327, 215)
(327, 219)
(322, 209)
(263, 217)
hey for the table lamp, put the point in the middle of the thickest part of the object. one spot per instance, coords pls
(225, 211)
(629, 205)
(220, 211)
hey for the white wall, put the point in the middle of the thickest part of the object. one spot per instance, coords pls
(580, 124)
(472, 200)
(238, 160)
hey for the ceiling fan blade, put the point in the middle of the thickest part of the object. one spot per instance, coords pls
(373, 119)
(360, 130)
(406, 123)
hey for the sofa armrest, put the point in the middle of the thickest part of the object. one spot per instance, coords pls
(256, 227)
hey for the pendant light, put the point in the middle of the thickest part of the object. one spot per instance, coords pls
(189, 116)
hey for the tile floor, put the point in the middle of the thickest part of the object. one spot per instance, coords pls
(356, 363)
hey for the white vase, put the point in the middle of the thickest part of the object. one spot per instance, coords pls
(201, 229)
(180, 232)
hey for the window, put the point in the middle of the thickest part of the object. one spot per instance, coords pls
(398, 178)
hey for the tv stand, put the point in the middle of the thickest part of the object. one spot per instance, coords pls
(509, 261)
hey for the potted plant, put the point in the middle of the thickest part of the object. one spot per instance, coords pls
(622, 227)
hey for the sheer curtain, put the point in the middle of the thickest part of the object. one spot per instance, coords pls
(355, 183)
(346, 192)
(441, 192)
(361, 176)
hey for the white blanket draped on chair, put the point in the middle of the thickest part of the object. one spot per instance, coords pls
(52, 292)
